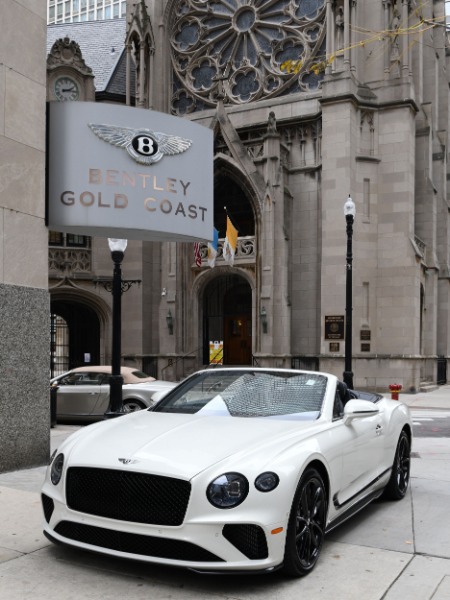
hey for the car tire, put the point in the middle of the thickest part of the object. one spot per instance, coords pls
(130, 406)
(306, 526)
(399, 480)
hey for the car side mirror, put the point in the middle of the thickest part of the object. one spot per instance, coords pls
(359, 409)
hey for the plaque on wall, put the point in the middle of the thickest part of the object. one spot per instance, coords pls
(364, 334)
(334, 346)
(365, 347)
(334, 327)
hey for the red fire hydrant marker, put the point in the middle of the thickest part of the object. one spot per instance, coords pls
(395, 389)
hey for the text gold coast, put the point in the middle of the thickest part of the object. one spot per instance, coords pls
(162, 192)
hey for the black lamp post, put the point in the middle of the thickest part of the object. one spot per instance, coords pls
(115, 409)
(349, 212)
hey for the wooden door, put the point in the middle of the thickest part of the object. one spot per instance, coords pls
(238, 340)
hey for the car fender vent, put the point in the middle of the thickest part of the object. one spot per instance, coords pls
(48, 507)
(248, 539)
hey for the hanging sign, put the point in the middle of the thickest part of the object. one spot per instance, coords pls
(216, 352)
(124, 172)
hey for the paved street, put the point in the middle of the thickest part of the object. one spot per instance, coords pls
(391, 551)
(433, 423)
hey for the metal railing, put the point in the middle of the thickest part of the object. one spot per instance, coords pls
(174, 361)
(245, 251)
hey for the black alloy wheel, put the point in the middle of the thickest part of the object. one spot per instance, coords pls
(399, 480)
(306, 528)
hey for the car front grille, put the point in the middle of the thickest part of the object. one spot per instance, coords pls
(248, 539)
(132, 543)
(127, 496)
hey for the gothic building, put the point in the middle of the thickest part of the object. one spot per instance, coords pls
(310, 101)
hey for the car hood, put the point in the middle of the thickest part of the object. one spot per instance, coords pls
(179, 445)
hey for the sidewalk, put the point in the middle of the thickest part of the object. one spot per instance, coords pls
(439, 398)
(390, 551)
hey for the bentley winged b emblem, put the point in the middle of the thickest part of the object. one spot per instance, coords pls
(146, 147)
(127, 461)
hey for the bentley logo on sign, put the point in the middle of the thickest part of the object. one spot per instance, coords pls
(144, 146)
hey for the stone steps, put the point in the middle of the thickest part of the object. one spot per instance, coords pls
(427, 386)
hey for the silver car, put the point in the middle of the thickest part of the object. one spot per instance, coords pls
(83, 393)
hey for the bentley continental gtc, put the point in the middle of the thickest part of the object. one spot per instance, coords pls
(235, 469)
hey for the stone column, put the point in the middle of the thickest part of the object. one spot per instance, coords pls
(329, 38)
(353, 36)
(346, 35)
(405, 38)
(128, 74)
(141, 99)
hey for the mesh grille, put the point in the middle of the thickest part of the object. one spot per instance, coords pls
(127, 496)
(248, 539)
(48, 507)
(133, 543)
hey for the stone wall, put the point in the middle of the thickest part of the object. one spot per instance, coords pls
(24, 305)
(24, 372)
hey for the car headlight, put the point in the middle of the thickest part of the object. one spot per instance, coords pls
(57, 469)
(228, 490)
(266, 482)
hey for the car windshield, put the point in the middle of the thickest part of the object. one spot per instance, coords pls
(248, 394)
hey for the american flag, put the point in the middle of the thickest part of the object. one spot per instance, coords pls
(197, 255)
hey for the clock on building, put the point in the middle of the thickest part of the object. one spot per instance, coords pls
(66, 88)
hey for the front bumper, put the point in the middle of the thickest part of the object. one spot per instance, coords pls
(211, 545)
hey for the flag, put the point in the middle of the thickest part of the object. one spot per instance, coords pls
(197, 255)
(230, 243)
(212, 249)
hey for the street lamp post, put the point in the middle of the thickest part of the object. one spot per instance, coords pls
(349, 212)
(117, 248)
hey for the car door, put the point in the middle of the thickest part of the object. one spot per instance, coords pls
(102, 401)
(362, 443)
(77, 394)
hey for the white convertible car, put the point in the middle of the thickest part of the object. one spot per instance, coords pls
(233, 470)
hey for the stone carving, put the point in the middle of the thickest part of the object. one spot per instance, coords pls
(67, 52)
(272, 123)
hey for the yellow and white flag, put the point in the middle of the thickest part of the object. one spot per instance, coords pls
(230, 243)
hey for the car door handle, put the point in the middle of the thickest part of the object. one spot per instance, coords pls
(378, 429)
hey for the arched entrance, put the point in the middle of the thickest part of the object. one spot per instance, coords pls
(227, 318)
(75, 336)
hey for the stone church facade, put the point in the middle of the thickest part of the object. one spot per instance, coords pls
(310, 102)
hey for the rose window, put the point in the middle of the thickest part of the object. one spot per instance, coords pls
(235, 49)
